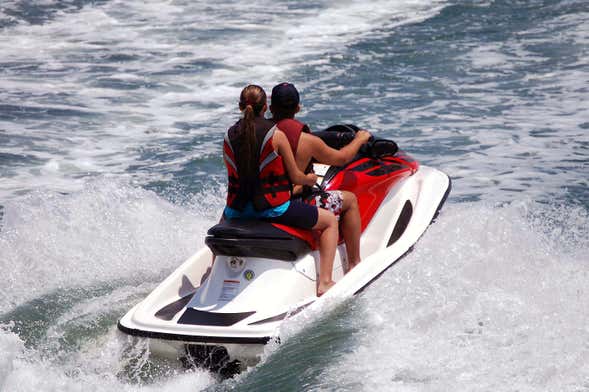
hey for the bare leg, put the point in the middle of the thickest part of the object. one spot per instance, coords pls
(351, 229)
(327, 224)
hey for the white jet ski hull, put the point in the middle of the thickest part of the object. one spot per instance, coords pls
(239, 303)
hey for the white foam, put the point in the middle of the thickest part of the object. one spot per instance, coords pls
(106, 363)
(107, 234)
(10, 346)
(490, 303)
(31, 374)
(500, 303)
(107, 231)
(158, 37)
(520, 270)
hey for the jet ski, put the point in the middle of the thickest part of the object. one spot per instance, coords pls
(223, 304)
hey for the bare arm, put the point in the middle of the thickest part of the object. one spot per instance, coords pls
(330, 156)
(281, 143)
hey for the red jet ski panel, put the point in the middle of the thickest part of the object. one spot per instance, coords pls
(370, 180)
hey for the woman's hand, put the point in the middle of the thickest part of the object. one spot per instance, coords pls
(311, 179)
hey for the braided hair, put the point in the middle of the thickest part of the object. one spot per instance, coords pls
(251, 102)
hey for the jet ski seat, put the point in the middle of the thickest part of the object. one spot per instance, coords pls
(254, 238)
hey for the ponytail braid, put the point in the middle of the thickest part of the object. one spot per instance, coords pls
(248, 145)
(251, 102)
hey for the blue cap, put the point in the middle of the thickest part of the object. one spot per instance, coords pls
(285, 95)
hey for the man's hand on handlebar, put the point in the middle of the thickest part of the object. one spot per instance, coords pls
(363, 135)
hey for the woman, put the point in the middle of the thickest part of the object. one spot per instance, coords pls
(262, 169)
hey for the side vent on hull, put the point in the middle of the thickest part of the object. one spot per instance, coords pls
(402, 223)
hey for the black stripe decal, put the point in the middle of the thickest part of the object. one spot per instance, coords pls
(198, 317)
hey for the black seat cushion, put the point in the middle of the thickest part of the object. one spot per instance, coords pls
(254, 238)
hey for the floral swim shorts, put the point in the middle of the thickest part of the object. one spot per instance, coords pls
(329, 200)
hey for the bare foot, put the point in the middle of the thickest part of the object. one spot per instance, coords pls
(323, 287)
(351, 265)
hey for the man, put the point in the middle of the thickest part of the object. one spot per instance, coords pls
(285, 103)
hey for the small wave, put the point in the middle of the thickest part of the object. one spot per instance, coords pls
(76, 263)
(107, 231)
(18, 11)
(490, 297)
(23, 370)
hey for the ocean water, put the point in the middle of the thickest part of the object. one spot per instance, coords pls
(111, 119)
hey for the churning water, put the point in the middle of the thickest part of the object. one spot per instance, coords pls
(111, 119)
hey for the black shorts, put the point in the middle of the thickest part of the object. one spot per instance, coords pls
(298, 214)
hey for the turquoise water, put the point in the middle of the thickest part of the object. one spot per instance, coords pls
(111, 119)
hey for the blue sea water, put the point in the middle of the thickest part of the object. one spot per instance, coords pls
(111, 119)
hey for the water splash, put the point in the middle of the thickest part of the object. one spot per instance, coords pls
(107, 233)
(480, 304)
